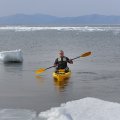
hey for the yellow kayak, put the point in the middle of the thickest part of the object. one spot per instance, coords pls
(61, 75)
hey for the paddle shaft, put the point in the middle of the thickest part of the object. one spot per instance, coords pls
(54, 66)
(75, 58)
(49, 67)
(42, 69)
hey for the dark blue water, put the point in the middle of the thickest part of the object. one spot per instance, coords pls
(95, 76)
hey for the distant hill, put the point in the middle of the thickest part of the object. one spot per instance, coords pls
(41, 19)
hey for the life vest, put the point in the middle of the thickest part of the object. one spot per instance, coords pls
(64, 59)
(62, 62)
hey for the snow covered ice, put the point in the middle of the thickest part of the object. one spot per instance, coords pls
(83, 109)
(11, 56)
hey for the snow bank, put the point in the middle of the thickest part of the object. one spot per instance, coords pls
(84, 109)
(11, 56)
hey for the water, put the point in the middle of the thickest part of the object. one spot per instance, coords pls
(95, 76)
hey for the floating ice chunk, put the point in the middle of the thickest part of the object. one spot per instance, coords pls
(11, 56)
(84, 109)
(17, 114)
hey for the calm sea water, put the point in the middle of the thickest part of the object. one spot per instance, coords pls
(95, 76)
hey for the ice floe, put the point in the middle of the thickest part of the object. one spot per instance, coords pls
(11, 56)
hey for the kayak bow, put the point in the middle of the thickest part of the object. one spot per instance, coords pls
(61, 75)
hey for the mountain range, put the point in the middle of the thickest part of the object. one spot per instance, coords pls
(42, 19)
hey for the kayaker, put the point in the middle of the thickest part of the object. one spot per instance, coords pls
(61, 62)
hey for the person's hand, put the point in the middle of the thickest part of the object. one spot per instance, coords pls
(71, 62)
(55, 65)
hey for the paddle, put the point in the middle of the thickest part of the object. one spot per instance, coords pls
(83, 55)
(44, 69)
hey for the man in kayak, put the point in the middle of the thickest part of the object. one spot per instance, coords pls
(61, 62)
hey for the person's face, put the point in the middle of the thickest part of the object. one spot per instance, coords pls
(61, 54)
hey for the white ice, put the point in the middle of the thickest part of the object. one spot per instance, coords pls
(83, 109)
(11, 56)
(83, 29)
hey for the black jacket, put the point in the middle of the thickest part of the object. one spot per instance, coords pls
(62, 62)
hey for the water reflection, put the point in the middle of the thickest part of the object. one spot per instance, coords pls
(40, 79)
(91, 73)
(61, 85)
(11, 67)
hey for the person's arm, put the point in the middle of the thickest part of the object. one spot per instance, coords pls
(56, 62)
(69, 60)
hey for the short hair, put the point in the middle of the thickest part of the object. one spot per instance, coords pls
(61, 51)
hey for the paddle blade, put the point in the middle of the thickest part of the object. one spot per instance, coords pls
(39, 71)
(85, 54)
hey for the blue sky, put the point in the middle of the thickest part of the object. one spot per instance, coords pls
(60, 8)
